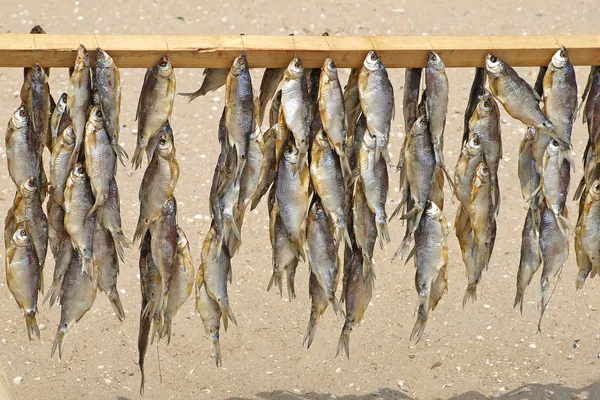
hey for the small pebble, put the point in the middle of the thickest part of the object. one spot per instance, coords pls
(486, 306)
(100, 366)
(532, 345)
(42, 326)
(107, 381)
(198, 216)
(338, 370)
(6, 342)
(479, 338)
(269, 372)
(18, 380)
(570, 357)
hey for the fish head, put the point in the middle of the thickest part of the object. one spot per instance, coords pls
(530, 134)
(21, 237)
(291, 153)
(560, 58)
(20, 117)
(83, 59)
(69, 135)
(170, 206)
(62, 102)
(165, 146)
(482, 175)
(420, 126)
(434, 61)
(164, 67)
(38, 74)
(28, 188)
(494, 66)
(240, 64)
(317, 212)
(321, 139)
(372, 61)
(330, 68)
(96, 116)
(78, 175)
(369, 141)
(432, 210)
(182, 240)
(553, 149)
(103, 60)
(474, 145)
(595, 190)
(485, 105)
(295, 69)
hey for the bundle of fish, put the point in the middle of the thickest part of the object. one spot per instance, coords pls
(587, 245)
(315, 145)
(476, 183)
(544, 163)
(166, 266)
(422, 170)
(83, 226)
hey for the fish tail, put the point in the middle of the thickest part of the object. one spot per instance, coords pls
(234, 229)
(337, 308)
(422, 316)
(166, 328)
(470, 294)
(290, 271)
(136, 160)
(346, 170)
(382, 231)
(367, 269)
(344, 341)
(117, 306)
(227, 314)
(276, 279)
(121, 241)
(519, 300)
(311, 331)
(214, 338)
(31, 323)
(255, 202)
(140, 229)
(87, 267)
(580, 189)
(59, 341)
(192, 96)
(53, 292)
(119, 151)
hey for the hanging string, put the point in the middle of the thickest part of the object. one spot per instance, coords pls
(294, 42)
(325, 35)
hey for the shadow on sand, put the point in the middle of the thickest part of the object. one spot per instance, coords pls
(529, 392)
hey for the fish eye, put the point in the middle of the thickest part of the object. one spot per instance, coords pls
(163, 64)
(555, 143)
(373, 56)
(98, 113)
(476, 141)
(331, 64)
(493, 58)
(485, 170)
(597, 186)
(563, 52)
(297, 63)
(23, 232)
(486, 104)
(23, 113)
(163, 142)
(423, 120)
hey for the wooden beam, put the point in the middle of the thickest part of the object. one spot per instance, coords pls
(138, 51)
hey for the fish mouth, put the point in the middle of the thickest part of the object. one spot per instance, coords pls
(560, 58)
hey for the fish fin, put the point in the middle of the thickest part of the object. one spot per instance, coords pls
(344, 341)
(519, 300)
(398, 209)
(580, 189)
(140, 229)
(470, 294)
(136, 160)
(227, 314)
(411, 254)
(418, 329)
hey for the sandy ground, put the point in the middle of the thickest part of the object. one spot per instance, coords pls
(486, 349)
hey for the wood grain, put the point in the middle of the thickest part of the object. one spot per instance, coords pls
(137, 51)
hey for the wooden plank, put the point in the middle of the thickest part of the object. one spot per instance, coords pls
(138, 51)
